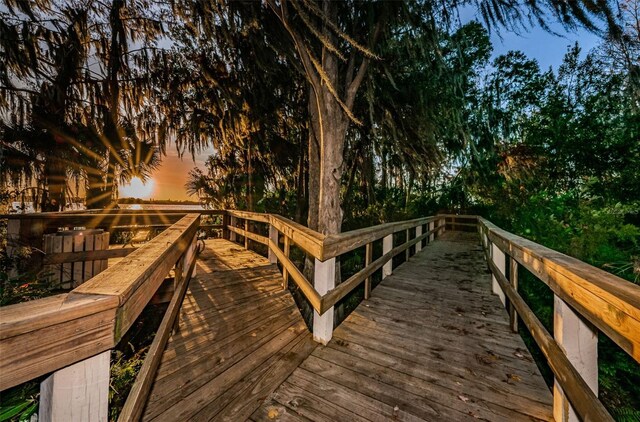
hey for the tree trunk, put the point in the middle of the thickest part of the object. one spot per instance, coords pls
(302, 201)
(314, 161)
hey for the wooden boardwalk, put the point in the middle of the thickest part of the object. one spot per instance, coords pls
(431, 344)
(240, 336)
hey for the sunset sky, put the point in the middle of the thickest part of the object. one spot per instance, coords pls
(169, 180)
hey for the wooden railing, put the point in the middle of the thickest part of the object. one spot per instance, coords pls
(71, 334)
(323, 292)
(92, 318)
(586, 300)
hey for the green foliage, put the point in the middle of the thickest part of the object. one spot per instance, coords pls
(124, 370)
(20, 402)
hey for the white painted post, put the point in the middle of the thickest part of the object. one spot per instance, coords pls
(431, 226)
(442, 222)
(324, 279)
(579, 340)
(232, 223)
(79, 392)
(273, 236)
(418, 234)
(499, 259)
(387, 245)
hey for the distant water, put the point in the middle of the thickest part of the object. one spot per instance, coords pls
(166, 207)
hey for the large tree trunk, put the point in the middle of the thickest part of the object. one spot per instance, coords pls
(314, 161)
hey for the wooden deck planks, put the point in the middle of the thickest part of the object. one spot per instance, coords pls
(432, 344)
(240, 336)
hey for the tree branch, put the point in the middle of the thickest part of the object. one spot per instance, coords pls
(362, 70)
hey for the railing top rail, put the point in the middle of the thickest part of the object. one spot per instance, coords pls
(609, 302)
(91, 318)
(106, 212)
(341, 243)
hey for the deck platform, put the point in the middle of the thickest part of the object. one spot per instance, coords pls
(432, 343)
(240, 335)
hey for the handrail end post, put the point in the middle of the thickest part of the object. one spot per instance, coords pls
(324, 280)
(579, 341)
(232, 222)
(273, 237)
(77, 392)
(387, 245)
(498, 257)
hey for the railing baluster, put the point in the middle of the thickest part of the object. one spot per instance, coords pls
(513, 278)
(407, 252)
(498, 258)
(79, 392)
(367, 262)
(246, 230)
(579, 341)
(285, 273)
(273, 236)
(387, 245)
(324, 279)
(232, 222)
(418, 234)
(431, 227)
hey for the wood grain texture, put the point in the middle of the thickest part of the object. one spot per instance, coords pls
(607, 301)
(239, 338)
(59, 258)
(42, 336)
(137, 398)
(75, 328)
(585, 402)
(432, 343)
(146, 269)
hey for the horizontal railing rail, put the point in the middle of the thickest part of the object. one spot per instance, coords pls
(323, 292)
(586, 300)
(93, 317)
(57, 333)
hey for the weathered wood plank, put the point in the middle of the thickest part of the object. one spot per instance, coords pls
(229, 354)
(60, 258)
(431, 343)
(137, 398)
(146, 270)
(607, 301)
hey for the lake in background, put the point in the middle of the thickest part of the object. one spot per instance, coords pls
(165, 207)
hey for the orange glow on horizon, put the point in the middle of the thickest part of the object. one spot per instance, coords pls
(137, 189)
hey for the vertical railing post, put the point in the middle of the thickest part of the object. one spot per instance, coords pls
(407, 251)
(442, 222)
(324, 279)
(225, 226)
(273, 237)
(387, 245)
(498, 258)
(246, 230)
(367, 261)
(79, 392)
(418, 234)
(232, 222)
(513, 278)
(285, 273)
(579, 341)
(430, 227)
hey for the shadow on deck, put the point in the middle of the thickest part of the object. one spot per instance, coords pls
(432, 343)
